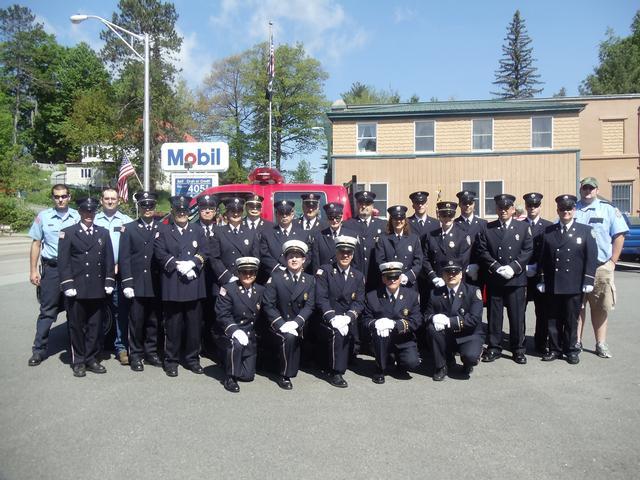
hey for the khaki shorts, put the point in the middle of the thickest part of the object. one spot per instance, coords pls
(603, 296)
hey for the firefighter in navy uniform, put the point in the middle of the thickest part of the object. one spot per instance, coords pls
(567, 267)
(323, 247)
(310, 219)
(288, 301)
(400, 244)
(369, 229)
(392, 314)
(340, 301)
(180, 248)
(505, 247)
(448, 242)
(141, 283)
(87, 276)
(454, 322)
(253, 220)
(421, 223)
(237, 310)
(533, 202)
(473, 225)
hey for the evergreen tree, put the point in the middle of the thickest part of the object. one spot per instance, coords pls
(516, 74)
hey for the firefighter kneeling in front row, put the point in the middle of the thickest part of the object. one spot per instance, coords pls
(454, 322)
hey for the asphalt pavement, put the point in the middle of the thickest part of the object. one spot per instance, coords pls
(537, 421)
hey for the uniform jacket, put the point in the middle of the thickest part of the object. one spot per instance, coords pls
(337, 296)
(456, 245)
(169, 247)
(285, 300)
(405, 311)
(430, 224)
(236, 310)
(271, 243)
(323, 247)
(319, 224)
(262, 225)
(568, 261)
(85, 262)
(137, 268)
(229, 246)
(406, 249)
(369, 236)
(465, 312)
(209, 275)
(497, 247)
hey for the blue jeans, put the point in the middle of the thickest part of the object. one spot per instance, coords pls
(119, 307)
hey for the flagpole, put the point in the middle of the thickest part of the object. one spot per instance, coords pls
(271, 94)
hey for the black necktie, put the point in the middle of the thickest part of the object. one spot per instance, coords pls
(564, 229)
(308, 225)
(89, 231)
(452, 295)
(421, 222)
(294, 278)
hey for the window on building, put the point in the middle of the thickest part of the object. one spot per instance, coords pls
(621, 195)
(491, 189)
(296, 197)
(541, 132)
(474, 186)
(85, 173)
(367, 139)
(483, 134)
(380, 203)
(425, 136)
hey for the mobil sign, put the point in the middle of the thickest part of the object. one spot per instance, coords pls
(195, 156)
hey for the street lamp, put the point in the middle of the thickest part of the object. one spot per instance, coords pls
(145, 38)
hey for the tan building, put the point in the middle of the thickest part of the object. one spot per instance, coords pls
(490, 147)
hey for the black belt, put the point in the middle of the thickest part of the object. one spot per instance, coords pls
(51, 262)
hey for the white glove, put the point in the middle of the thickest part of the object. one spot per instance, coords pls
(184, 266)
(472, 271)
(540, 287)
(336, 322)
(403, 279)
(108, 290)
(290, 327)
(128, 292)
(346, 319)
(383, 332)
(438, 282)
(440, 319)
(70, 292)
(344, 330)
(191, 275)
(587, 288)
(385, 324)
(438, 326)
(506, 272)
(233, 279)
(241, 337)
(532, 270)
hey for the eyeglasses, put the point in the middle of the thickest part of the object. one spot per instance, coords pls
(334, 218)
(61, 197)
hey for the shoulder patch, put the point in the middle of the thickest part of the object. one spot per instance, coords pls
(319, 272)
(478, 294)
(223, 291)
(61, 235)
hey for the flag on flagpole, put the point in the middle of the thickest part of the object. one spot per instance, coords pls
(271, 69)
(126, 170)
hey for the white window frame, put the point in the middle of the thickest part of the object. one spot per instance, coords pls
(415, 136)
(622, 183)
(358, 138)
(531, 129)
(492, 215)
(473, 136)
(367, 186)
(478, 208)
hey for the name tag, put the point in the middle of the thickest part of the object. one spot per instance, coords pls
(596, 220)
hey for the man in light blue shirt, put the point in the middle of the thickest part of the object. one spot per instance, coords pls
(44, 232)
(610, 228)
(113, 220)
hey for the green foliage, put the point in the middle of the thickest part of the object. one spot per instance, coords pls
(302, 174)
(560, 93)
(14, 212)
(619, 69)
(361, 94)
(516, 76)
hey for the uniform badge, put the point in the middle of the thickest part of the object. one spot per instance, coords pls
(122, 229)
(461, 311)
(478, 294)
(353, 296)
(468, 240)
(410, 248)
(305, 296)
(195, 244)
(99, 241)
(223, 291)
(246, 241)
(451, 244)
(405, 312)
(379, 231)
(578, 240)
(61, 235)
(517, 237)
(157, 234)
(401, 297)
(257, 306)
(319, 272)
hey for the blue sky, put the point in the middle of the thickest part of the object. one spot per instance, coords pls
(448, 50)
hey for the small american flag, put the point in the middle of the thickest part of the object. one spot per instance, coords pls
(271, 69)
(126, 170)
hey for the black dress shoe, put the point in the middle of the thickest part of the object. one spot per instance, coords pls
(337, 381)
(551, 356)
(439, 374)
(171, 371)
(285, 383)
(573, 359)
(230, 385)
(153, 359)
(378, 378)
(95, 367)
(490, 355)
(519, 358)
(136, 365)
(35, 360)
(79, 371)
(197, 369)
(467, 369)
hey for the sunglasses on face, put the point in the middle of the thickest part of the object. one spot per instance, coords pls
(345, 252)
(61, 197)
(249, 273)
(333, 218)
(392, 278)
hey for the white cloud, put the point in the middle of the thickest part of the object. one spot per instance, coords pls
(403, 14)
(194, 63)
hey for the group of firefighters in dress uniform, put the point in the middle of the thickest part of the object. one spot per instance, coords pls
(320, 286)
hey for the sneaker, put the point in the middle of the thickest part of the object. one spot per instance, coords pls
(602, 350)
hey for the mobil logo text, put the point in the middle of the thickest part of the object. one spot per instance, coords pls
(195, 156)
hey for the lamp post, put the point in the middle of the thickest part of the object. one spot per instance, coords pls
(145, 59)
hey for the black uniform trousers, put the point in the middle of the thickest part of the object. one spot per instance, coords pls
(182, 322)
(287, 348)
(402, 346)
(144, 315)
(541, 335)
(444, 347)
(336, 347)
(51, 303)
(239, 360)
(514, 299)
(85, 320)
(563, 311)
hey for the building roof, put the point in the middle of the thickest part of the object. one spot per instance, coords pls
(452, 108)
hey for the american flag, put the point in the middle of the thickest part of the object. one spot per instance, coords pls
(126, 170)
(271, 69)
